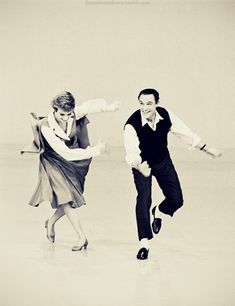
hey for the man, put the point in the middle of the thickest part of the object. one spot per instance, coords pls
(145, 141)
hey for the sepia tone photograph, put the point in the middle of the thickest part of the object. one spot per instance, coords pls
(117, 152)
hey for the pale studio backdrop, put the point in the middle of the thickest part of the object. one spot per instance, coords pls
(113, 49)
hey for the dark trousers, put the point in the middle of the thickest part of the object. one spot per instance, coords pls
(168, 181)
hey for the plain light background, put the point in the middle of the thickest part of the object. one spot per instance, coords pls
(112, 50)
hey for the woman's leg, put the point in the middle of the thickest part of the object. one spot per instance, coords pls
(50, 223)
(72, 215)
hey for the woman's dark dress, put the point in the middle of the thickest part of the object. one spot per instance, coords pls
(61, 181)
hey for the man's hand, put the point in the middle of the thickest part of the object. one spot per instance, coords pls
(144, 169)
(215, 153)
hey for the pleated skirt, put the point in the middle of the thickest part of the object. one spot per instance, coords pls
(60, 181)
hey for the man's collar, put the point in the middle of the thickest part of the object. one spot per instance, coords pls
(56, 128)
(156, 120)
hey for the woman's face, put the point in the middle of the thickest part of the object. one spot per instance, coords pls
(62, 116)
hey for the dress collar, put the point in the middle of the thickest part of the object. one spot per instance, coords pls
(156, 120)
(57, 129)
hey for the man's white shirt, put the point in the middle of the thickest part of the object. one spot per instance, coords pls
(178, 128)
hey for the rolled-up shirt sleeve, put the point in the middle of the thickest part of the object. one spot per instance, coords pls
(58, 145)
(181, 130)
(131, 144)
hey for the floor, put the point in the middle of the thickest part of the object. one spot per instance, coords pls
(191, 261)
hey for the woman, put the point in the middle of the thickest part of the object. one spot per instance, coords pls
(65, 156)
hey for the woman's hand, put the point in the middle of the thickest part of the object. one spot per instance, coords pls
(102, 146)
(117, 105)
(113, 106)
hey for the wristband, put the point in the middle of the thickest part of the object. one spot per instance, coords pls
(202, 147)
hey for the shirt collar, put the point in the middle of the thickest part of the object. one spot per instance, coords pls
(57, 129)
(156, 120)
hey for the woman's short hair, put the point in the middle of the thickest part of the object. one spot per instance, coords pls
(64, 101)
(149, 91)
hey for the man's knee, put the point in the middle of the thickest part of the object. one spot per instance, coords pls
(169, 207)
(178, 201)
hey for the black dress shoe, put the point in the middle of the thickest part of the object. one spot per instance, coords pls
(157, 222)
(142, 254)
(156, 225)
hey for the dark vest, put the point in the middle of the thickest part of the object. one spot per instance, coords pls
(153, 144)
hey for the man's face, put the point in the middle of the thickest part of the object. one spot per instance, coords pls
(147, 105)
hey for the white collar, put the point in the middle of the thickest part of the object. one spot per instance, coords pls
(57, 129)
(156, 120)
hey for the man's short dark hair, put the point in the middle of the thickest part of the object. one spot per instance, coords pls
(149, 91)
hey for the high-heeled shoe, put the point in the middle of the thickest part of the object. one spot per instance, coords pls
(80, 247)
(50, 237)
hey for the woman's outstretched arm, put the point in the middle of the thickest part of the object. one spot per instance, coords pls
(95, 106)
